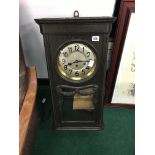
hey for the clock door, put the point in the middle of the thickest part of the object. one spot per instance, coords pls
(76, 62)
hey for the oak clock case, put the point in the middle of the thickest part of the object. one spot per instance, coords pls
(76, 51)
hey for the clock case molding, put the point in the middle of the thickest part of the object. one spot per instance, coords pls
(58, 31)
(126, 8)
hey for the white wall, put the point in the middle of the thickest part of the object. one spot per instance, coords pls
(32, 40)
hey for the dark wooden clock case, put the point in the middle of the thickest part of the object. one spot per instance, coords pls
(56, 33)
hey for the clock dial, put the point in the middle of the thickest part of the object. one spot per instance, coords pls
(76, 61)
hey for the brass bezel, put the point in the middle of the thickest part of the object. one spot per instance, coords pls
(61, 70)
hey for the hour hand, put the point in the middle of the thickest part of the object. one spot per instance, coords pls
(70, 63)
(76, 61)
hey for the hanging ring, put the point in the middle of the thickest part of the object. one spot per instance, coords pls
(76, 13)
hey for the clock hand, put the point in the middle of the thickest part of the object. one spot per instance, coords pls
(70, 63)
(76, 61)
(84, 61)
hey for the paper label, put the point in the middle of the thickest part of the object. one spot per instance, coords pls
(91, 62)
(95, 38)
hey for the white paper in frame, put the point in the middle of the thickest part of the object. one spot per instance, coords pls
(124, 91)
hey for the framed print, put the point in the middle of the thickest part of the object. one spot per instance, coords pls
(124, 90)
(120, 80)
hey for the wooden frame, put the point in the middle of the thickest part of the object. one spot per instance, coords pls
(127, 7)
(115, 105)
(27, 111)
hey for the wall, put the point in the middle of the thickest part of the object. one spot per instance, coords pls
(32, 40)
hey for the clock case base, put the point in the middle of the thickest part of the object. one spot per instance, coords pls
(59, 31)
(79, 128)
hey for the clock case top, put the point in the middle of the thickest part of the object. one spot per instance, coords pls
(57, 32)
(65, 25)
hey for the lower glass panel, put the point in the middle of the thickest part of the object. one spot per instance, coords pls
(74, 109)
(77, 104)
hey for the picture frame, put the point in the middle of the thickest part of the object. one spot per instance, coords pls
(127, 9)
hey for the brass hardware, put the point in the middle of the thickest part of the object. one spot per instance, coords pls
(76, 13)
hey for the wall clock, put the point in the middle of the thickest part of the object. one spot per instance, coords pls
(76, 54)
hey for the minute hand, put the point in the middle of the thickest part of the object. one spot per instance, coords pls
(76, 61)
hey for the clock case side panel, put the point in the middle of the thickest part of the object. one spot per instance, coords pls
(51, 81)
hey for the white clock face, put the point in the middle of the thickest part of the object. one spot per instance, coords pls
(76, 61)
